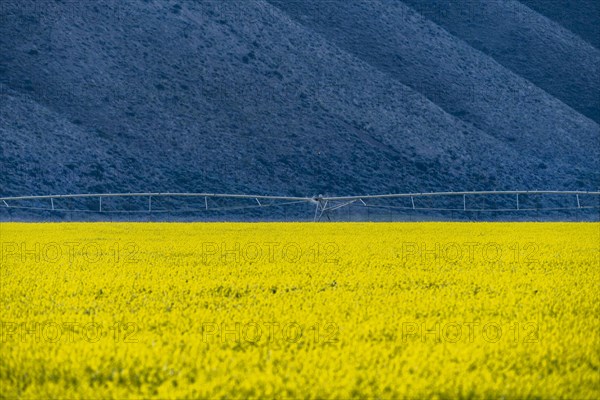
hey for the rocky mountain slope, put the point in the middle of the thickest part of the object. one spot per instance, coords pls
(296, 97)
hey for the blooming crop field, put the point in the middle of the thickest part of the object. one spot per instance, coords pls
(300, 310)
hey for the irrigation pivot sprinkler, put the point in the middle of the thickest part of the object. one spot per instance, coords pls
(324, 205)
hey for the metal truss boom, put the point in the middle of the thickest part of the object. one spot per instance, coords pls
(324, 204)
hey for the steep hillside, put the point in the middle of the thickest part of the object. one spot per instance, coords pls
(527, 43)
(463, 81)
(274, 97)
(580, 17)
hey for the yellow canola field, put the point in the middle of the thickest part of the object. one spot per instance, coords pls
(300, 310)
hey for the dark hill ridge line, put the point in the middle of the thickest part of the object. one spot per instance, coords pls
(528, 44)
(444, 69)
(235, 97)
(580, 17)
